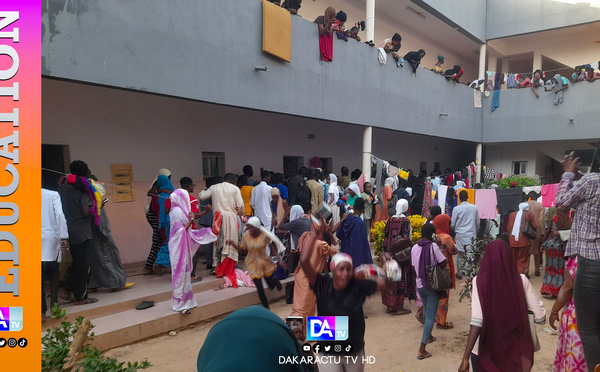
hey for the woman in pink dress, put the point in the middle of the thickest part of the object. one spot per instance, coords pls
(569, 352)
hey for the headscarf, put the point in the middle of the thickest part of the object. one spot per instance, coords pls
(163, 182)
(161, 172)
(339, 258)
(516, 230)
(401, 207)
(255, 222)
(295, 213)
(329, 13)
(261, 328)
(354, 188)
(389, 182)
(442, 224)
(333, 188)
(280, 210)
(505, 339)
(181, 199)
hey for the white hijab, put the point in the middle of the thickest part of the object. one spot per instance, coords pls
(255, 222)
(333, 188)
(295, 213)
(516, 230)
(354, 188)
(401, 207)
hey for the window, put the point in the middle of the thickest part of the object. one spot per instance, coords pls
(213, 164)
(520, 168)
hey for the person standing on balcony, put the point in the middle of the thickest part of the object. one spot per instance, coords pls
(585, 243)
(414, 58)
(392, 45)
(325, 24)
(292, 6)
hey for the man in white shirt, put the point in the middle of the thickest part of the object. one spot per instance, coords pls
(465, 222)
(54, 239)
(260, 200)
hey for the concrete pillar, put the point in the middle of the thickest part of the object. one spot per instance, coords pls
(492, 63)
(366, 163)
(482, 51)
(370, 20)
(478, 154)
(537, 61)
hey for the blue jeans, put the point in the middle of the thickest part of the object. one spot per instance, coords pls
(430, 306)
(586, 295)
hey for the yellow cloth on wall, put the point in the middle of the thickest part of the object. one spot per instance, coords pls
(277, 31)
(471, 193)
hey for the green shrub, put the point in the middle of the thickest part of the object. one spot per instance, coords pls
(521, 182)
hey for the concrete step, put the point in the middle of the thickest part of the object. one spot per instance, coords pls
(130, 326)
(118, 323)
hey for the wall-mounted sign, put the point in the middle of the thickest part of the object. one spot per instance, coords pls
(122, 179)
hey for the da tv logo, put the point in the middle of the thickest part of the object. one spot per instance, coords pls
(327, 328)
(11, 318)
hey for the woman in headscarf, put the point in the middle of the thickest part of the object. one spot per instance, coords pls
(334, 194)
(183, 244)
(554, 246)
(569, 351)
(277, 208)
(442, 229)
(393, 298)
(305, 303)
(500, 338)
(266, 338)
(341, 294)
(161, 205)
(298, 224)
(370, 202)
(351, 233)
(519, 243)
(427, 253)
(325, 24)
(382, 207)
(152, 218)
(353, 194)
(256, 241)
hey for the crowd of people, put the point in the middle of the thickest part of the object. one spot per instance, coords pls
(317, 226)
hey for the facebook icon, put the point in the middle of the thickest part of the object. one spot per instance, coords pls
(327, 328)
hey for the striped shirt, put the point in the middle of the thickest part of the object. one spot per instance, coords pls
(585, 197)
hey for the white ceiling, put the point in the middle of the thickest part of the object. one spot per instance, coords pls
(432, 28)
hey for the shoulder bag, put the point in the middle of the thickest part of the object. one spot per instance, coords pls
(439, 278)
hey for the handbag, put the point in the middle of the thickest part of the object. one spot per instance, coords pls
(400, 248)
(527, 228)
(534, 337)
(438, 277)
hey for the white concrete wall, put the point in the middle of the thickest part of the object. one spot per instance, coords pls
(103, 126)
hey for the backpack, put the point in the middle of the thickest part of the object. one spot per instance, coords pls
(527, 228)
(303, 197)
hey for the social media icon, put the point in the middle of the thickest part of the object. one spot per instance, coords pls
(22, 342)
(306, 348)
(2, 342)
(337, 348)
(348, 348)
(12, 342)
(327, 348)
(317, 347)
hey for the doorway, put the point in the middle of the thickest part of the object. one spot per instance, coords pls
(55, 163)
(291, 164)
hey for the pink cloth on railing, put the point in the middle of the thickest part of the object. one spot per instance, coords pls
(549, 194)
(242, 276)
(485, 201)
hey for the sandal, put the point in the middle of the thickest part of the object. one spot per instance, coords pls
(402, 312)
(431, 339)
(186, 312)
(145, 305)
(196, 278)
(89, 300)
(448, 325)
(66, 295)
(147, 271)
(421, 357)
